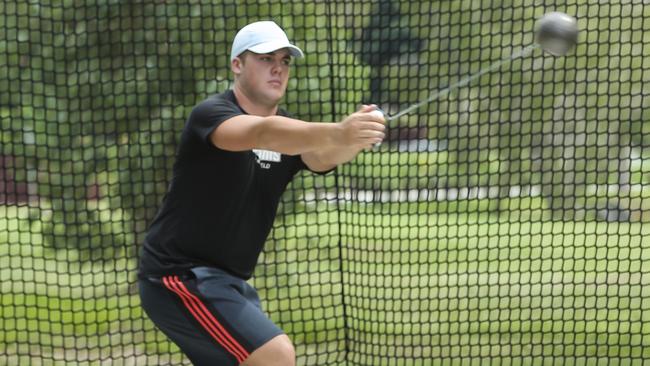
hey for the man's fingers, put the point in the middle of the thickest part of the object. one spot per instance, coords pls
(376, 115)
(366, 108)
(375, 126)
(374, 133)
(371, 138)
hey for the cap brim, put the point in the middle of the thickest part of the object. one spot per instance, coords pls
(268, 47)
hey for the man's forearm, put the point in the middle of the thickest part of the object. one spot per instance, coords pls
(293, 137)
(327, 159)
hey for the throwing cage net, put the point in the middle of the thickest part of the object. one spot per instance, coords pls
(502, 223)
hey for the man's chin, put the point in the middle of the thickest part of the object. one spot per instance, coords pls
(275, 97)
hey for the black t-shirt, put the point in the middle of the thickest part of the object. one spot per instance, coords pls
(220, 205)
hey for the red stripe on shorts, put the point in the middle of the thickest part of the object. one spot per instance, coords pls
(201, 313)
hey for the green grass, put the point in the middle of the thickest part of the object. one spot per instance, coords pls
(420, 288)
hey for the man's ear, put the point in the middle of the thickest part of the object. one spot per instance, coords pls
(235, 65)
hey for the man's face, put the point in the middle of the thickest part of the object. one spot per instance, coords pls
(263, 77)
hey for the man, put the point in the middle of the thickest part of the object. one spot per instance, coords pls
(238, 152)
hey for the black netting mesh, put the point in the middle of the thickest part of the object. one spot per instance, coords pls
(505, 222)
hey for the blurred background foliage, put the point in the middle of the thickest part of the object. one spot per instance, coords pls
(96, 94)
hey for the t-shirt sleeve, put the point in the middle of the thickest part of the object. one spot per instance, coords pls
(209, 114)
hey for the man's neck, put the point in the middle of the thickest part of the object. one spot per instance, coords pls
(253, 108)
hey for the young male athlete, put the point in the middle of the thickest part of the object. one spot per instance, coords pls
(238, 151)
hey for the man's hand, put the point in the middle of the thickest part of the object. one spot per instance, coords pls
(358, 131)
(361, 130)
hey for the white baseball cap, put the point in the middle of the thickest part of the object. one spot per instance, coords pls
(262, 37)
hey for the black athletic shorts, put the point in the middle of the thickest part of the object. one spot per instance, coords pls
(214, 317)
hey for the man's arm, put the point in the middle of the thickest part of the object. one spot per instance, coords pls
(294, 137)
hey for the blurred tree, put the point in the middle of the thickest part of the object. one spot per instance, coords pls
(386, 38)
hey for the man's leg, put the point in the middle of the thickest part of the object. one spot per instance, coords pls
(277, 352)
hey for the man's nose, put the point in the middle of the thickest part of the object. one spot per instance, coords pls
(277, 67)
